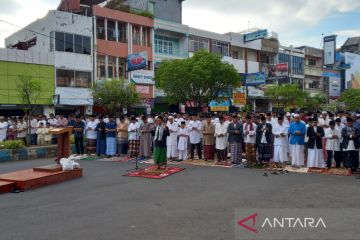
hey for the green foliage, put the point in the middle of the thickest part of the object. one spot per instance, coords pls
(121, 5)
(313, 102)
(286, 96)
(29, 90)
(115, 94)
(199, 79)
(351, 98)
(12, 144)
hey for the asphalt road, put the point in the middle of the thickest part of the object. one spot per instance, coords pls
(198, 203)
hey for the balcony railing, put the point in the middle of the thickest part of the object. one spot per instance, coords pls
(313, 71)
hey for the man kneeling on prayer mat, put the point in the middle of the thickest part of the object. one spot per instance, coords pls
(315, 157)
(160, 134)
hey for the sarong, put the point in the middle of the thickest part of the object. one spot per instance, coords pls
(160, 156)
(100, 146)
(110, 146)
(134, 146)
(250, 153)
(209, 152)
(91, 145)
(122, 146)
(236, 152)
(264, 151)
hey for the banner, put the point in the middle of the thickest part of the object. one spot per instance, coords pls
(334, 80)
(136, 61)
(282, 70)
(221, 106)
(253, 79)
(330, 50)
(255, 92)
(255, 35)
(239, 97)
(352, 74)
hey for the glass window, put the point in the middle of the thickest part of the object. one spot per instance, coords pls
(122, 32)
(312, 62)
(220, 47)
(65, 78)
(111, 36)
(69, 42)
(78, 43)
(86, 45)
(100, 28)
(52, 41)
(136, 35)
(59, 41)
(151, 7)
(101, 74)
(198, 43)
(82, 79)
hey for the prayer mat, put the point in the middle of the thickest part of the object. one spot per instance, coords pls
(339, 171)
(117, 159)
(296, 170)
(317, 170)
(197, 162)
(90, 158)
(154, 173)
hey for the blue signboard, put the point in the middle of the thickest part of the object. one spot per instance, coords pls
(255, 35)
(136, 61)
(253, 79)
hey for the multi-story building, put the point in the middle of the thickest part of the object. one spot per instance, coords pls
(351, 45)
(19, 65)
(295, 60)
(314, 82)
(69, 38)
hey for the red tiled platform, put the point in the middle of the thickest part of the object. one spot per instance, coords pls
(30, 179)
(49, 168)
(6, 187)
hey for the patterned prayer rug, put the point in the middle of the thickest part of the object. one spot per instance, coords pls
(154, 173)
(197, 162)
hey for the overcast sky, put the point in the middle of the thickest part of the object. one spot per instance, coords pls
(298, 22)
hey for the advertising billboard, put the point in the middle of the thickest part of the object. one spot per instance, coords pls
(239, 97)
(136, 61)
(221, 106)
(330, 50)
(282, 70)
(334, 81)
(352, 73)
(255, 35)
(253, 79)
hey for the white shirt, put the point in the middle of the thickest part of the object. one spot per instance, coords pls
(91, 134)
(134, 135)
(41, 121)
(33, 125)
(324, 122)
(3, 130)
(277, 130)
(53, 122)
(332, 144)
(249, 138)
(195, 135)
(221, 142)
(178, 121)
(172, 138)
(183, 141)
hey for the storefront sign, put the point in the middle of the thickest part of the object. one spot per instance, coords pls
(136, 61)
(143, 89)
(255, 35)
(255, 92)
(239, 96)
(282, 70)
(221, 106)
(253, 79)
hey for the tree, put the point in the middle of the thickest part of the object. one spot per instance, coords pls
(286, 96)
(313, 102)
(115, 94)
(196, 80)
(351, 98)
(29, 92)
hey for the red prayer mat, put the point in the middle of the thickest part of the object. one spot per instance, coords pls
(116, 159)
(154, 173)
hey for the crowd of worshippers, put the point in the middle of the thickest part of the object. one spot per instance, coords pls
(317, 139)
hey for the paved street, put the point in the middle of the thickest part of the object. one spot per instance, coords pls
(197, 203)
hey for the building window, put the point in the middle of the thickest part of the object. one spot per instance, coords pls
(221, 48)
(314, 85)
(312, 62)
(67, 42)
(65, 78)
(297, 65)
(59, 41)
(111, 36)
(122, 32)
(100, 28)
(101, 73)
(82, 79)
(136, 35)
(72, 78)
(167, 45)
(151, 7)
(198, 43)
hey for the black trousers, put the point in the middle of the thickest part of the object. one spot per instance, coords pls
(221, 155)
(351, 160)
(198, 150)
(79, 145)
(337, 158)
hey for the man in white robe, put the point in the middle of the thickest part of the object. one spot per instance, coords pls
(171, 140)
(280, 131)
(3, 128)
(221, 139)
(183, 134)
(195, 127)
(315, 145)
